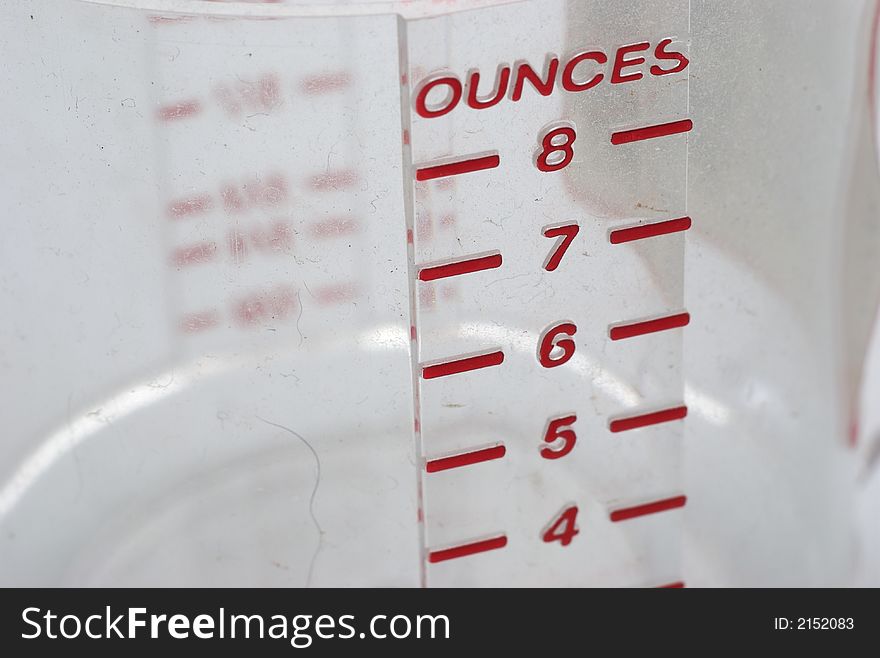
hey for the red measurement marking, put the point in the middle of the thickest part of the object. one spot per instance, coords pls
(563, 528)
(643, 420)
(258, 192)
(463, 365)
(232, 200)
(465, 166)
(325, 83)
(425, 227)
(179, 110)
(277, 237)
(676, 585)
(559, 429)
(337, 294)
(191, 206)
(196, 322)
(264, 306)
(331, 228)
(237, 245)
(265, 239)
(269, 193)
(643, 231)
(467, 549)
(650, 132)
(554, 352)
(334, 180)
(254, 96)
(567, 232)
(465, 459)
(621, 331)
(466, 266)
(559, 140)
(648, 508)
(199, 253)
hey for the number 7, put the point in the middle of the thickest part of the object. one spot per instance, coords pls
(567, 232)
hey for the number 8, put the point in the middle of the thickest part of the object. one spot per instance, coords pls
(565, 146)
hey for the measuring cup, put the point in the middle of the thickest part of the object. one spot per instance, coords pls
(434, 293)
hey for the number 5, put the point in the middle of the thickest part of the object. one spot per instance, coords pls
(558, 428)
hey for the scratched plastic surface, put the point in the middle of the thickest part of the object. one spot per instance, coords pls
(247, 245)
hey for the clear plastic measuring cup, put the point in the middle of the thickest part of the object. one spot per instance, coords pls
(459, 293)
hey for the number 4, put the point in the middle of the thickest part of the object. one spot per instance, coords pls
(567, 232)
(563, 528)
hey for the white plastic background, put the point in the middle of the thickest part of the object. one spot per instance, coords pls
(205, 358)
(144, 394)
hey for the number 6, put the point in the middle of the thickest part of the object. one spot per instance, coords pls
(549, 346)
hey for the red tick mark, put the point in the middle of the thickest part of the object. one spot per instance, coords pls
(643, 231)
(648, 508)
(676, 585)
(331, 228)
(650, 132)
(643, 420)
(264, 306)
(334, 180)
(192, 206)
(196, 322)
(465, 166)
(464, 266)
(467, 549)
(199, 253)
(630, 329)
(326, 82)
(344, 292)
(463, 365)
(465, 459)
(179, 110)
